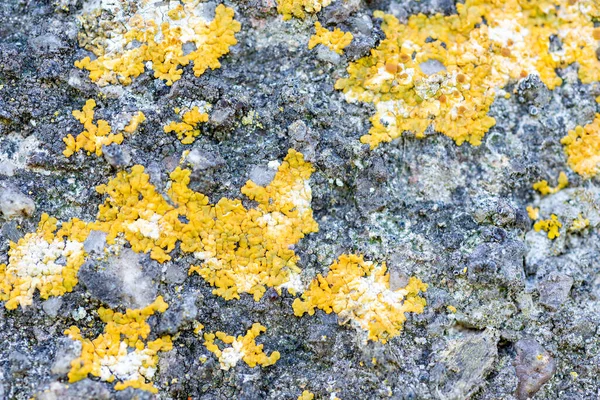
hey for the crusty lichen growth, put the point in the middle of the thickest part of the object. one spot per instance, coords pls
(96, 135)
(335, 40)
(442, 72)
(306, 395)
(299, 8)
(187, 130)
(47, 260)
(582, 146)
(544, 188)
(551, 226)
(242, 250)
(156, 34)
(241, 348)
(579, 224)
(359, 292)
(248, 250)
(533, 212)
(135, 122)
(122, 352)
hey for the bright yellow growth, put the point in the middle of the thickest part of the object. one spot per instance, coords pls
(306, 395)
(242, 348)
(582, 146)
(157, 34)
(359, 291)
(534, 213)
(299, 8)
(549, 225)
(443, 71)
(122, 352)
(186, 129)
(47, 260)
(579, 224)
(247, 250)
(335, 40)
(242, 250)
(94, 135)
(135, 122)
(545, 189)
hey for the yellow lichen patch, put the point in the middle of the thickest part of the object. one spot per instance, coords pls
(140, 214)
(335, 40)
(306, 395)
(551, 226)
(186, 129)
(156, 34)
(545, 189)
(96, 135)
(299, 8)
(122, 352)
(242, 348)
(249, 250)
(582, 146)
(242, 250)
(579, 224)
(443, 72)
(359, 292)
(135, 122)
(534, 213)
(47, 260)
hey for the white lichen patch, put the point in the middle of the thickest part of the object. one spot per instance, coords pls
(149, 228)
(41, 261)
(231, 355)
(127, 365)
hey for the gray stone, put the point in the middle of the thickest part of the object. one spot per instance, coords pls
(498, 262)
(117, 155)
(461, 367)
(554, 290)
(119, 281)
(95, 242)
(19, 363)
(52, 306)
(66, 351)
(179, 315)
(262, 175)
(432, 66)
(83, 390)
(325, 54)
(201, 159)
(13, 203)
(534, 367)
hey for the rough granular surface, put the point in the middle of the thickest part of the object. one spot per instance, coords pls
(299, 199)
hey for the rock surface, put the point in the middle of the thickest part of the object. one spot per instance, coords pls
(510, 313)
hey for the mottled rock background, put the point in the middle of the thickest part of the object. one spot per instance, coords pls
(527, 307)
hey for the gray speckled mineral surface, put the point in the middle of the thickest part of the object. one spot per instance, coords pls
(510, 313)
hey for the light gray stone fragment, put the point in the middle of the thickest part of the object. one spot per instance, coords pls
(554, 290)
(201, 159)
(262, 175)
(118, 156)
(52, 305)
(119, 282)
(13, 203)
(67, 350)
(85, 389)
(460, 369)
(328, 55)
(95, 242)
